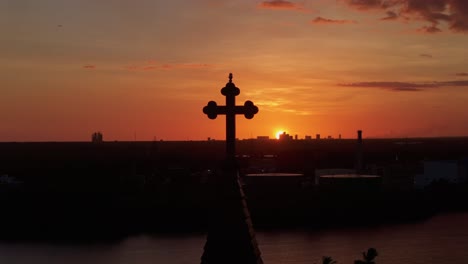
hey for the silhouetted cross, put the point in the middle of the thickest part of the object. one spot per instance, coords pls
(212, 110)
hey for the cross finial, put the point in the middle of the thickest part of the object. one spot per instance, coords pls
(230, 77)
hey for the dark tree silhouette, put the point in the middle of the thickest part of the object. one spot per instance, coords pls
(368, 257)
(328, 260)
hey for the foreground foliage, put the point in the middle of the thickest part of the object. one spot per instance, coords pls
(367, 258)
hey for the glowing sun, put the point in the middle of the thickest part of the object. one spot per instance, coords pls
(279, 133)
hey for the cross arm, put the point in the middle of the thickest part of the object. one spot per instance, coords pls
(212, 110)
(248, 109)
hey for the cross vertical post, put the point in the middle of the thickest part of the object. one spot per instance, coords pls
(230, 92)
(231, 238)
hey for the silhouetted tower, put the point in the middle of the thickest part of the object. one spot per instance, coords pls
(231, 238)
(285, 137)
(96, 137)
(358, 166)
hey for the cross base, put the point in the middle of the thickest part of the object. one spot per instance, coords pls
(231, 237)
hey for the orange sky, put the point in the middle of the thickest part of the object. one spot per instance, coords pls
(146, 68)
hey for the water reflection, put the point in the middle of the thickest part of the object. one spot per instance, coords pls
(442, 239)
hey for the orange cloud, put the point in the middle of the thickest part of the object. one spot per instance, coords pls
(321, 20)
(131, 68)
(186, 66)
(147, 68)
(391, 15)
(369, 4)
(282, 5)
(430, 29)
(192, 66)
(452, 12)
(151, 65)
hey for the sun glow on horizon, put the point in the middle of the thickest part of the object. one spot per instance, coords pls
(278, 134)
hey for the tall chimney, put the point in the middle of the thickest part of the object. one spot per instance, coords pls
(358, 166)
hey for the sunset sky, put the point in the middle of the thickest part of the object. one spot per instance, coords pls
(145, 69)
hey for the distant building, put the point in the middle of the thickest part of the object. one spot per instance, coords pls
(263, 137)
(264, 164)
(96, 137)
(8, 180)
(317, 136)
(308, 137)
(285, 136)
(397, 175)
(464, 167)
(451, 171)
(359, 163)
(275, 183)
(350, 182)
(323, 172)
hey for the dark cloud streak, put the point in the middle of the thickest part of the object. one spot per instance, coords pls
(425, 55)
(406, 86)
(282, 5)
(321, 20)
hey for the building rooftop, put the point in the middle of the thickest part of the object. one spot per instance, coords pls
(349, 176)
(275, 174)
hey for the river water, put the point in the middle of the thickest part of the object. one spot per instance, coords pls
(441, 239)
